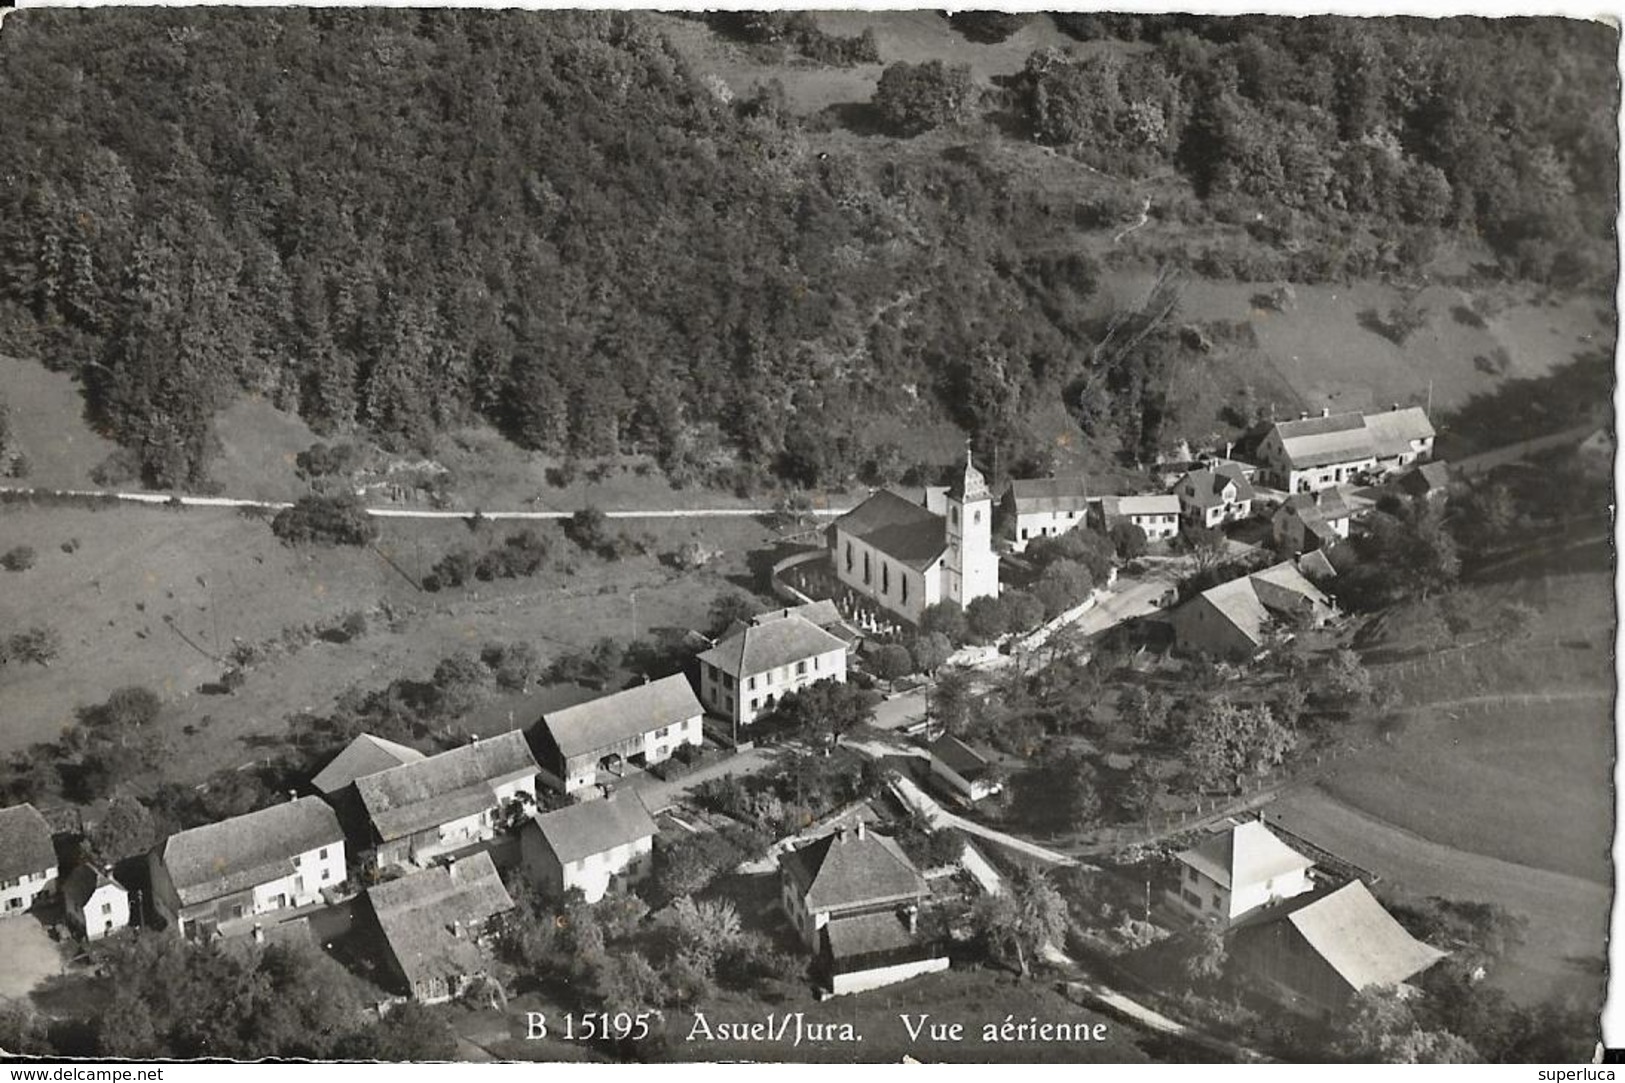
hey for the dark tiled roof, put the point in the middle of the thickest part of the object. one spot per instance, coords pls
(865, 934)
(610, 719)
(905, 531)
(1321, 441)
(1049, 494)
(955, 754)
(233, 855)
(594, 827)
(451, 785)
(842, 870)
(431, 919)
(366, 755)
(80, 884)
(1209, 484)
(1393, 430)
(756, 648)
(25, 842)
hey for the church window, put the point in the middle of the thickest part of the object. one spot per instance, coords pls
(866, 567)
(976, 516)
(848, 556)
(953, 515)
(885, 578)
(904, 588)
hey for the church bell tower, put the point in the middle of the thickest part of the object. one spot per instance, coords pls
(971, 568)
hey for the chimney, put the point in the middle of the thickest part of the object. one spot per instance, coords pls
(913, 913)
(1325, 411)
(473, 738)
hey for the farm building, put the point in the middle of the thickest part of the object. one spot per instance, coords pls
(1308, 521)
(962, 769)
(27, 859)
(905, 556)
(1313, 953)
(421, 810)
(748, 670)
(1233, 619)
(1237, 871)
(1157, 514)
(1316, 452)
(582, 747)
(216, 878)
(366, 755)
(587, 846)
(1044, 508)
(434, 924)
(96, 905)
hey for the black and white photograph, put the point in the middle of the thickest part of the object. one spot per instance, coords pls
(847, 536)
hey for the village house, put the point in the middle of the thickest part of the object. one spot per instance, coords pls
(1314, 453)
(435, 926)
(754, 665)
(962, 770)
(589, 845)
(1156, 513)
(366, 755)
(421, 810)
(1044, 508)
(1313, 953)
(1215, 495)
(1233, 619)
(28, 866)
(217, 878)
(1308, 521)
(1430, 481)
(1235, 872)
(854, 898)
(94, 903)
(904, 556)
(824, 613)
(598, 742)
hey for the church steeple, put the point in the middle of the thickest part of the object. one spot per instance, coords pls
(969, 485)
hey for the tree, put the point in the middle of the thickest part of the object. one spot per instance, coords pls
(589, 529)
(1023, 920)
(326, 520)
(460, 682)
(705, 929)
(949, 703)
(987, 618)
(930, 652)
(1023, 612)
(1064, 585)
(516, 666)
(1346, 677)
(728, 609)
(1205, 545)
(18, 559)
(1128, 539)
(39, 644)
(945, 618)
(125, 828)
(825, 709)
(1204, 958)
(890, 661)
(409, 1032)
(125, 709)
(914, 98)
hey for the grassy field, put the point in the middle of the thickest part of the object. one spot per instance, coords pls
(47, 416)
(155, 597)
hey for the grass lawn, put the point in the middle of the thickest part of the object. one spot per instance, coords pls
(47, 418)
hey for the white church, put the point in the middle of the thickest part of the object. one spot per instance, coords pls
(905, 555)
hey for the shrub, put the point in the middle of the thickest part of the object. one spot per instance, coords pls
(891, 661)
(19, 559)
(914, 98)
(326, 520)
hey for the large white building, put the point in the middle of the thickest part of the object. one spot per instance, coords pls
(1236, 872)
(905, 556)
(755, 665)
(1315, 453)
(1045, 508)
(598, 742)
(27, 858)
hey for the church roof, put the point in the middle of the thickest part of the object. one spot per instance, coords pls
(969, 485)
(908, 533)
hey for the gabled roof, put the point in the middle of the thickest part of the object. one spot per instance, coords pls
(865, 934)
(1147, 504)
(430, 919)
(594, 827)
(366, 755)
(1246, 601)
(1316, 565)
(1327, 505)
(961, 758)
(1427, 478)
(255, 848)
(1036, 495)
(756, 648)
(83, 882)
(1360, 940)
(445, 787)
(1393, 430)
(1320, 441)
(905, 531)
(1247, 854)
(607, 720)
(848, 869)
(1282, 585)
(1238, 603)
(822, 613)
(1209, 482)
(25, 842)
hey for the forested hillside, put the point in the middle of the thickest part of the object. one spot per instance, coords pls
(408, 220)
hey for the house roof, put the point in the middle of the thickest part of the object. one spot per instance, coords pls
(1239, 604)
(233, 855)
(25, 842)
(1393, 430)
(1326, 506)
(1285, 577)
(757, 648)
(445, 787)
(1360, 940)
(83, 882)
(1209, 482)
(430, 919)
(864, 934)
(1246, 601)
(631, 712)
(847, 869)
(1428, 477)
(1316, 565)
(1320, 441)
(1147, 504)
(903, 530)
(1248, 853)
(365, 755)
(1035, 495)
(594, 827)
(959, 757)
(822, 613)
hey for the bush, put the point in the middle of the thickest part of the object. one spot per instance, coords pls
(914, 98)
(326, 520)
(946, 619)
(19, 559)
(987, 618)
(891, 661)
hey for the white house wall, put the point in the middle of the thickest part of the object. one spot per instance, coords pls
(20, 895)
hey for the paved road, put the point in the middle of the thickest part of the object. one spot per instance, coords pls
(923, 803)
(413, 513)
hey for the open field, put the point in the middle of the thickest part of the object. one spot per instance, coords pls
(1564, 951)
(156, 597)
(47, 416)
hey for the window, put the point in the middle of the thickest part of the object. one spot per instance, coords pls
(753, 702)
(296, 861)
(751, 684)
(866, 567)
(14, 904)
(848, 556)
(1023, 533)
(1190, 872)
(976, 516)
(1218, 903)
(107, 908)
(885, 578)
(903, 586)
(953, 515)
(801, 669)
(322, 853)
(327, 874)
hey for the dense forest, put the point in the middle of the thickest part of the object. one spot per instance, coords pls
(404, 221)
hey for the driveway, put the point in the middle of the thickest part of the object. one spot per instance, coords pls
(30, 956)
